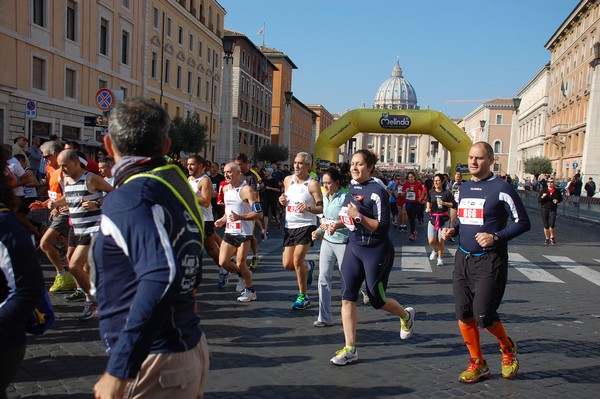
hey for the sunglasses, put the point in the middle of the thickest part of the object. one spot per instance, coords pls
(47, 156)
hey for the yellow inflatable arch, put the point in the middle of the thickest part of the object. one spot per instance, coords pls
(393, 121)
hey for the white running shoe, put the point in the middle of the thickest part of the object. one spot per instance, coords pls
(247, 296)
(440, 262)
(344, 357)
(433, 255)
(406, 327)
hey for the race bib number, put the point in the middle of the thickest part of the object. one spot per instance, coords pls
(234, 227)
(52, 195)
(293, 208)
(347, 220)
(470, 211)
(411, 196)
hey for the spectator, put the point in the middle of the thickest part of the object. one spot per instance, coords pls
(590, 187)
(577, 185)
(35, 157)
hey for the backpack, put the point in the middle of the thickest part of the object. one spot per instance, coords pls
(42, 317)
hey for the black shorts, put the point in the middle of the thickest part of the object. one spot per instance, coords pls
(75, 240)
(209, 228)
(235, 240)
(269, 208)
(394, 208)
(298, 236)
(478, 284)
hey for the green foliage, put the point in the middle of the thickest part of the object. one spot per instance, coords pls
(537, 166)
(187, 134)
(272, 153)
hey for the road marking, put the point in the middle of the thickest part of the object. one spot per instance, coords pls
(531, 270)
(597, 260)
(591, 275)
(414, 259)
(452, 251)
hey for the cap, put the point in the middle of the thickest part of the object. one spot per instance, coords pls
(270, 170)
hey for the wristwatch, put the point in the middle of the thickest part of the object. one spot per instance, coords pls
(496, 237)
(98, 203)
(358, 219)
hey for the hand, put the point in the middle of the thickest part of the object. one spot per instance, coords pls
(484, 239)
(109, 387)
(282, 199)
(37, 205)
(220, 222)
(314, 235)
(232, 217)
(352, 210)
(447, 232)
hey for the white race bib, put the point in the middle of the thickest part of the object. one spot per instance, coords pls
(470, 211)
(347, 220)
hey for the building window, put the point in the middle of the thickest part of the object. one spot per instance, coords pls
(153, 63)
(155, 18)
(199, 87)
(207, 91)
(71, 20)
(124, 90)
(70, 83)
(167, 69)
(70, 132)
(104, 36)
(38, 76)
(169, 26)
(178, 82)
(41, 129)
(499, 119)
(189, 82)
(39, 12)
(125, 4)
(102, 84)
(497, 147)
(199, 48)
(208, 54)
(125, 47)
(180, 36)
(191, 48)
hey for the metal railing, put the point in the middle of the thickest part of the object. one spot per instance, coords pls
(580, 208)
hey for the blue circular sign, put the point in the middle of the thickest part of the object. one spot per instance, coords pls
(575, 165)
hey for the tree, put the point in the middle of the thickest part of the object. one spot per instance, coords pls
(537, 165)
(272, 153)
(187, 134)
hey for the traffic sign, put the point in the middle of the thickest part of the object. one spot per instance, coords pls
(575, 165)
(102, 121)
(30, 109)
(105, 99)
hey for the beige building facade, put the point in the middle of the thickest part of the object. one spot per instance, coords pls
(568, 136)
(58, 54)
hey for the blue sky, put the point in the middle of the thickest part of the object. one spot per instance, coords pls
(455, 53)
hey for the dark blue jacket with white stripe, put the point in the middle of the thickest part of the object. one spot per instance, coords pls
(148, 260)
(501, 202)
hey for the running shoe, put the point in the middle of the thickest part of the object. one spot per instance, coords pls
(546, 241)
(510, 364)
(254, 263)
(552, 241)
(344, 356)
(413, 236)
(247, 296)
(319, 323)
(433, 255)
(302, 302)
(365, 296)
(89, 310)
(309, 272)
(440, 262)
(241, 284)
(406, 327)
(77, 296)
(475, 372)
(66, 282)
(223, 280)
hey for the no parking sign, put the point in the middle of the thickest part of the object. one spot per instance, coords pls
(105, 99)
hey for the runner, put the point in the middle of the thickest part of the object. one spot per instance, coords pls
(83, 194)
(241, 209)
(303, 200)
(481, 263)
(369, 255)
(439, 202)
(412, 191)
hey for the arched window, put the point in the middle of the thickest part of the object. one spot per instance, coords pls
(497, 147)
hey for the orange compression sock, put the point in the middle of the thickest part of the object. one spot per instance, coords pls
(470, 333)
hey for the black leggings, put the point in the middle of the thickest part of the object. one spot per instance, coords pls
(412, 210)
(11, 357)
(548, 217)
(370, 264)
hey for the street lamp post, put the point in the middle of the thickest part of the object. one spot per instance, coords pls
(512, 168)
(225, 138)
(313, 133)
(287, 122)
(482, 124)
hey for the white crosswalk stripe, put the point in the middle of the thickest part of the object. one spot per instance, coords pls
(414, 259)
(531, 270)
(572, 266)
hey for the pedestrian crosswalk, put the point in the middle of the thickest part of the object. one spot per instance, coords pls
(416, 259)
